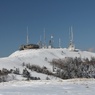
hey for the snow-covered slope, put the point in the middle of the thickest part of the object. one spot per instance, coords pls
(40, 57)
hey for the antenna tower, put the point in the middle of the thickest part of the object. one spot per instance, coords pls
(27, 40)
(52, 41)
(71, 45)
(44, 38)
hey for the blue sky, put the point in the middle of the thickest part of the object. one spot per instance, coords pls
(56, 16)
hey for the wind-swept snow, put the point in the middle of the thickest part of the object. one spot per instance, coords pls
(65, 87)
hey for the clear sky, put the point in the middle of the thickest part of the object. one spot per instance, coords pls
(56, 16)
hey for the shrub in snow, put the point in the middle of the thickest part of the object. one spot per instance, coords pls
(16, 71)
(39, 69)
(23, 64)
(74, 68)
(46, 59)
(47, 78)
(4, 75)
(26, 74)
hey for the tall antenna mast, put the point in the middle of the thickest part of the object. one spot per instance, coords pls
(71, 45)
(71, 34)
(27, 36)
(52, 41)
(40, 42)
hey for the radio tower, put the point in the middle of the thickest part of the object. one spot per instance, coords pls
(44, 39)
(71, 45)
(71, 36)
(27, 39)
(40, 42)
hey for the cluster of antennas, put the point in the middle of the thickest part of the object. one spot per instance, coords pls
(44, 45)
(51, 41)
(71, 46)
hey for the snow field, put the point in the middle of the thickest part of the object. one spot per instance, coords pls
(59, 87)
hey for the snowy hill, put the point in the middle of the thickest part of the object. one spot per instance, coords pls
(40, 57)
(37, 56)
